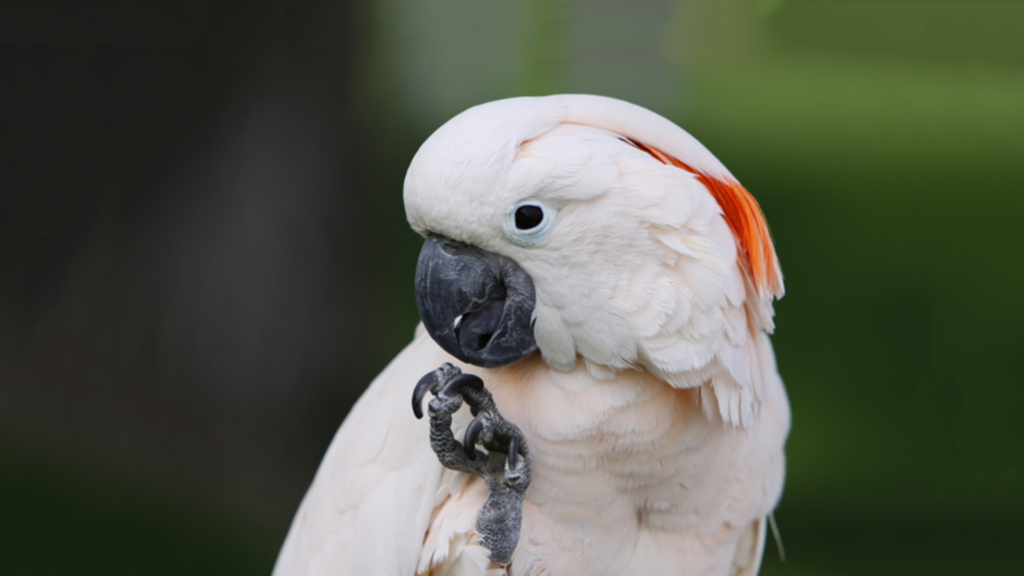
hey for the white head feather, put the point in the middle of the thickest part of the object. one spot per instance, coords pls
(641, 268)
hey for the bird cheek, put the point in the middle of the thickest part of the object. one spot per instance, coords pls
(553, 338)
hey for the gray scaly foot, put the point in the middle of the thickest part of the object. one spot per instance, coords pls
(505, 466)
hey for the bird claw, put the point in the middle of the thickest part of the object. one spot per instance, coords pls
(473, 434)
(498, 436)
(505, 467)
(432, 382)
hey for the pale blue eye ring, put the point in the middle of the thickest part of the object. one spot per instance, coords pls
(529, 222)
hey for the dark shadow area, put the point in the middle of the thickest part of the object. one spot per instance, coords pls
(182, 298)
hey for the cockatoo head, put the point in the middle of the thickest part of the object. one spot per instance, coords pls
(589, 228)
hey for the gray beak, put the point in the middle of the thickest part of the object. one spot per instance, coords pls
(475, 304)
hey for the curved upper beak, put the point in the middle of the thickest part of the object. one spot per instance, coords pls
(476, 305)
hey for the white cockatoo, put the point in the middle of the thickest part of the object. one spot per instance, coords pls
(597, 288)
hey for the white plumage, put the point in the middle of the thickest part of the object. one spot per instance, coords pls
(654, 413)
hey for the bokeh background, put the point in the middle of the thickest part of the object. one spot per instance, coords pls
(204, 257)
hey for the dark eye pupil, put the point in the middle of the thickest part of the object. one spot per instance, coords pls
(529, 217)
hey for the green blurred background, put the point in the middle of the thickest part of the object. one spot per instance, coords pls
(206, 259)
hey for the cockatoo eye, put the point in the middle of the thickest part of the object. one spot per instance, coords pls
(529, 216)
(529, 223)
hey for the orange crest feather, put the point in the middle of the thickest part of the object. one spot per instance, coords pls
(747, 221)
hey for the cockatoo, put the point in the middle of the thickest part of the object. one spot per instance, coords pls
(596, 292)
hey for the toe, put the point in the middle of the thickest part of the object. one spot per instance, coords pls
(444, 405)
(461, 383)
(430, 383)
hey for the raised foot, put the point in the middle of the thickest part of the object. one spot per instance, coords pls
(505, 467)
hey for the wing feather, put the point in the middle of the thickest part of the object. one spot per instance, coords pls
(370, 503)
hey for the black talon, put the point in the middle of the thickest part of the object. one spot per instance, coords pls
(513, 452)
(422, 387)
(472, 433)
(457, 384)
